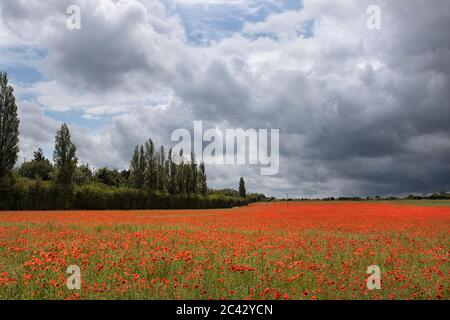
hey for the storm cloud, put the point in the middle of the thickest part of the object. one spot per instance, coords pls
(360, 111)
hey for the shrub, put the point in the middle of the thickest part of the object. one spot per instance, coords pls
(25, 194)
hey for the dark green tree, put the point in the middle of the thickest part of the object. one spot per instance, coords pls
(111, 177)
(64, 157)
(202, 187)
(84, 174)
(172, 174)
(137, 168)
(162, 173)
(181, 173)
(39, 167)
(193, 175)
(242, 191)
(86, 170)
(150, 166)
(9, 127)
(125, 177)
(39, 155)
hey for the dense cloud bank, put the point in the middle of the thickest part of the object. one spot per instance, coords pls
(360, 112)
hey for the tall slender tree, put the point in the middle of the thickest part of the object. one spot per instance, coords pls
(172, 173)
(162, 176)
(9, 127)
(202, 180)
(181, 173)
(137, 168)
(193, 174)
(64, 157)
(242, 191)
(167, 174)
(151, 168)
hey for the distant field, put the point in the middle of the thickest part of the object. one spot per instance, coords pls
(438, 203)
(432, 203)
(294, 250)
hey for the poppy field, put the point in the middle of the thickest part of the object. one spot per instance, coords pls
(295, 250)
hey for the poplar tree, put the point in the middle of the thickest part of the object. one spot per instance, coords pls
(64, 157)
(202, 180)
(180, 173)
(242, 191)
(137, 168)
(167, 174)
(193, 174)
(172, 175)
(150, 166)
(9, 127)
(162, 175)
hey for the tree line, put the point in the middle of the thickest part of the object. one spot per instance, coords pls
(154, 170)
(156, 179)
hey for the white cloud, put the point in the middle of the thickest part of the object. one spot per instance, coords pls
(347, 100)
(283, 23)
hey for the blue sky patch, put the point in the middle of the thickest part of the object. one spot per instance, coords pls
(23, 74)
(207, 23)
(77, 118)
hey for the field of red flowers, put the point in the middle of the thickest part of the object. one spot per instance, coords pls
(299, 250)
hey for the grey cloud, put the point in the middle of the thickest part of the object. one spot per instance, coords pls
(36, 129)
(360, 112)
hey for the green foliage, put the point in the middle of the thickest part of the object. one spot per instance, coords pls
(151, 169)
(242, 191)
(193, 175)
(9, 127)
(257, 197)
(172, 173)
(225, 192)
(162, 170)
(38, 168)
(137, 168)
(39, 155)
(201, 180)
(442, 195)
(154, 171)
(83, 175)
(64, 157)
(27, 194)
(111, 177)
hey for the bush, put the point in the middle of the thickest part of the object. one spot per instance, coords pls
(25, 194)
(12, 194)
(36, 170)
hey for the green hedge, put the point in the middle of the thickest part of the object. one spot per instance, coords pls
(25, 194)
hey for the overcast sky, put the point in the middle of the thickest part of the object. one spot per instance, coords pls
(360, 111)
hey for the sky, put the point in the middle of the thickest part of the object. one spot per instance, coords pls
(360, 111)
